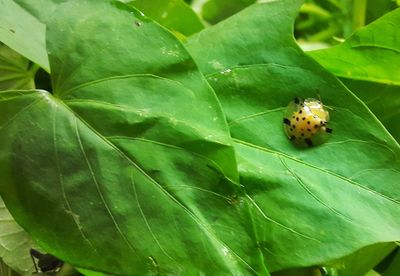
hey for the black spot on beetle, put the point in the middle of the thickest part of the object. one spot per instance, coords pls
(297, 118)
(304, 118)
(316, 126)
(308, 129)
(308, 122)
(292, 138)
(308, 142)
(286, 121)
(301, 111)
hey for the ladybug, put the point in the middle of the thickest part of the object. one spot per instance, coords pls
(305, 122)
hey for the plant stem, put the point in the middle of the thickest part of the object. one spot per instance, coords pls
(359, 10)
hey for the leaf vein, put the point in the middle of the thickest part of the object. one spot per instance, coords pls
(317, 168)
(93, 176)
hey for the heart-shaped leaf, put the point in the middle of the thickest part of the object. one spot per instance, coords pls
(128, 167)
(312, 205)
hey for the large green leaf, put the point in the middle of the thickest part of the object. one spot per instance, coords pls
(312, 205)
(16, 71)
(128, 168)
(23, 33)
(368, 63)
(176, 15)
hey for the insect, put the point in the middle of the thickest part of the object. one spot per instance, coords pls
(46, 262)
(306, 121)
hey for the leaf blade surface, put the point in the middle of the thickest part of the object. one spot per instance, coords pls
(323, 199)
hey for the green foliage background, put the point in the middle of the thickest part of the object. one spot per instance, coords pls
(158, 147)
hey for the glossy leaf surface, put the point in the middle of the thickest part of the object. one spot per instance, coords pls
(332, 199)
(368, 63)
(131, 159)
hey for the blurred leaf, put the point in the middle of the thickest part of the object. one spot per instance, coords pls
(15, 244)
(368, 63)
(5, 270)
(23, 33)
(364, 260)
(320, 21)
(175, 15)
(308, 271)
(130, 160)
(15, 70)
(378, 8)
(214, 11)
(394, 268)
(358, 263)
(372, 273)
(310, 206)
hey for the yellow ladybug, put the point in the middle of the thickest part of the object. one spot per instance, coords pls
(305, 122)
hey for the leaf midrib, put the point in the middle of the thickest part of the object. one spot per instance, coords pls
(187, 211)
